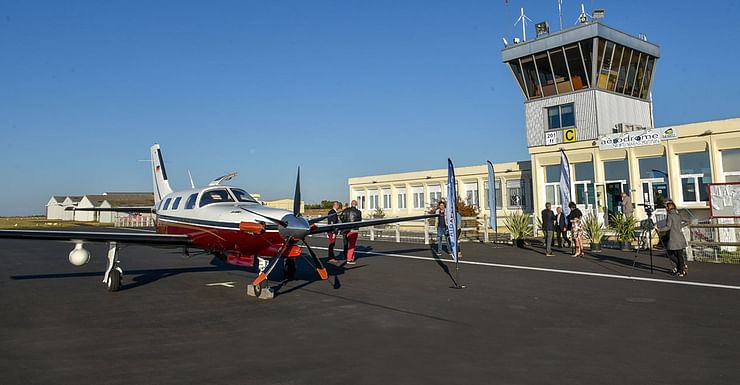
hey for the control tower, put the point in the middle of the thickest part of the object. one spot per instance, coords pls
(591, 77)
(580, 84)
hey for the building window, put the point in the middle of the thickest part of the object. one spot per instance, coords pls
(360, 198)
(499, 195)
(471, 194)
(517, 196)
(561, 116)
(418, 196)
(373, 195)
(731, 165)
(401, 198)
(654, 180)
(435, 195)
(584, 186)
(695, 176)
(552, 185)
(386, 199)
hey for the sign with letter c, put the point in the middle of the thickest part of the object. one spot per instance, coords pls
(569, 135)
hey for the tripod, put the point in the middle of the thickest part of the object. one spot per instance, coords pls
(646, 236)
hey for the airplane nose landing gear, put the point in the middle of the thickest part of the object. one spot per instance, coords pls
(261, 290)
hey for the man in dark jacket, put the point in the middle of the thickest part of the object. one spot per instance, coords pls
(561, 228)
(351, 214)
(548, 225)
(333, 218)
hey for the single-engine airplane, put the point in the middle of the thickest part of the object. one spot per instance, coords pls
(223, 220)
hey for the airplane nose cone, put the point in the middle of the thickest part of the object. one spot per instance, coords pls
(297, 227)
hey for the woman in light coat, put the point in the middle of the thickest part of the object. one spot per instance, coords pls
(676, 241)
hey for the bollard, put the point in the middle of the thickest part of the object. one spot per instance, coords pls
(398, 233)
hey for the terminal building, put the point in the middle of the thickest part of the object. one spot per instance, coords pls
(587, 93)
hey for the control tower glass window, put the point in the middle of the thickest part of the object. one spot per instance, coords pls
(560, 70)
(544, 70)
(576, 66)
(530, 78)
(623, 70)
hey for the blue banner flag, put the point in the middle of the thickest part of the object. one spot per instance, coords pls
(564, 182)
(451, 211)
(492, 196)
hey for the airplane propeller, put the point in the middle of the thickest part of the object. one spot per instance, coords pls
(293, 228)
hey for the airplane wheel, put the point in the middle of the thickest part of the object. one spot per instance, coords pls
(257, 290)
(114, 279)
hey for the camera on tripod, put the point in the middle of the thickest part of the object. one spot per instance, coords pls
(649, 209)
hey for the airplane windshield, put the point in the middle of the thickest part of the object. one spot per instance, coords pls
(215, 196)
(243, 196)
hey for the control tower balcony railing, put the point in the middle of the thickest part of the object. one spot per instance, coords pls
(587, 56)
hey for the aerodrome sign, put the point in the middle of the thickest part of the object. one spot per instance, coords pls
(636, 138)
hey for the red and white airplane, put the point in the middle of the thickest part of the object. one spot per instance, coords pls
(223, 220)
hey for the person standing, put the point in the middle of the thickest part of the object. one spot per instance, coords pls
(627, 207)
(576, 228)
(561, 228)
(333, 218)
(676, 241)
(548, 226)
(441, 226)
(351, 214)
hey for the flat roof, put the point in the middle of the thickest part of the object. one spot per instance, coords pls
(576, 34)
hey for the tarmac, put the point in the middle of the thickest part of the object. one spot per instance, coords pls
(392, 318)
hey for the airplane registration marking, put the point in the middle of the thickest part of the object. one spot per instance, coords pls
(224, 284)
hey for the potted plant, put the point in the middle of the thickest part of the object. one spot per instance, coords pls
(624, 226)
(518, 225)
(594, 231)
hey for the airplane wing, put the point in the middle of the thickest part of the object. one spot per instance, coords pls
(115, 209)
(316, 229)
(151, 239)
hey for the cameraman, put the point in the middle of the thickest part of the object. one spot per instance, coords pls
(676, 242)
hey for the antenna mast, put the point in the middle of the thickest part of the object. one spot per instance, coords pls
(523, 18)
(560, 13)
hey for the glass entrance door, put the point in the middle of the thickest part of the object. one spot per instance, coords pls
(614, 191)
(658, 190)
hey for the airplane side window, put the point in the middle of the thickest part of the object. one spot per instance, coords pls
(190, 203)
(215, 196)
(176, 203)
(166, 204)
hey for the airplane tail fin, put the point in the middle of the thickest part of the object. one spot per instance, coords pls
(159, 175)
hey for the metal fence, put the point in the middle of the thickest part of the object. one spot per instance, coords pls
(134, 220)
(716, 240)
(425, 232)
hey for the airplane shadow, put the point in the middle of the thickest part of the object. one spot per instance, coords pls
(140, 277)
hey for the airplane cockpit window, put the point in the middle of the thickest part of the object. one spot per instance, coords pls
(166, 204)
(215, 196)
(243, 196)
(190, 203)
(176, 203)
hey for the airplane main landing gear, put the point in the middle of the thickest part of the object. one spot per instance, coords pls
(115, 278)
(113, 274)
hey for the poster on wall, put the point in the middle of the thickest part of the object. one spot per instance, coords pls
(724, 200)
(636, 138)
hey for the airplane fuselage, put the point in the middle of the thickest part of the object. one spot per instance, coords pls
(213, 218)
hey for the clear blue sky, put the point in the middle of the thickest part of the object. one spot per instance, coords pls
(342, 88)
